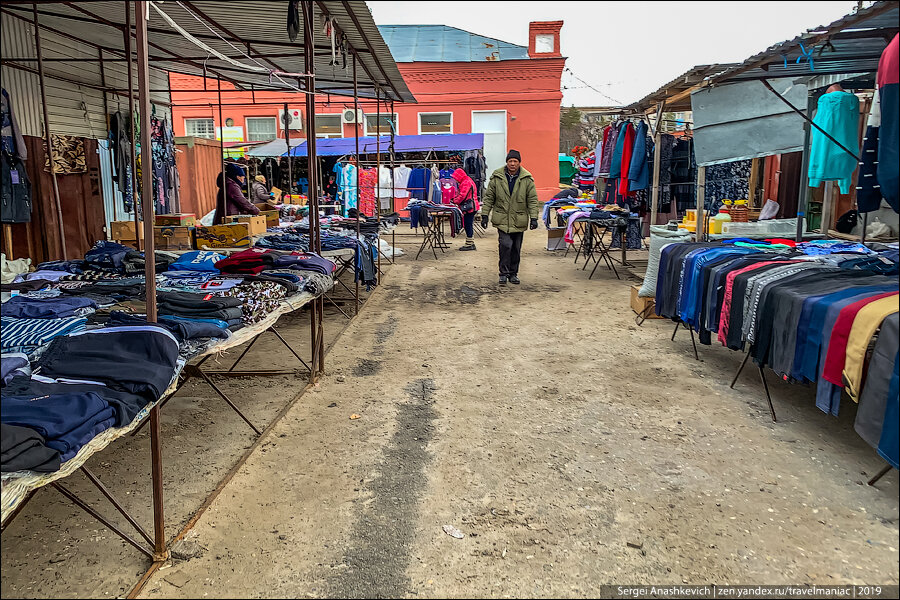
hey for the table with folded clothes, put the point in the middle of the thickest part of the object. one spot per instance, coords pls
(336, 234)
(811, 312)
(81, 365)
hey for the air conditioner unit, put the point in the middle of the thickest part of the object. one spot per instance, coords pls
(294, 119)
(352, 116)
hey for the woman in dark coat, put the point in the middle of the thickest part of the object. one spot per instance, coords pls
(230, 199)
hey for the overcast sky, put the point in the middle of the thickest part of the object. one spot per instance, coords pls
(628, 49)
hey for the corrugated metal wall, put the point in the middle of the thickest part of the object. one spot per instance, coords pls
(73, 109)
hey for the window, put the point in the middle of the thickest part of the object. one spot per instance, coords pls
(205, 128)
(329, 126)
(261, 129)
(384, 128)
(543, 43)
(435, 122)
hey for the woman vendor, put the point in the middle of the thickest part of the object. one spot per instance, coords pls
(467, 200)
(231, 200)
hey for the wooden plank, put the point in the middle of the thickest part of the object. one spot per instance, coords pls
(754, 183)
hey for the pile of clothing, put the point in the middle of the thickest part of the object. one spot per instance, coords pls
(82, 385)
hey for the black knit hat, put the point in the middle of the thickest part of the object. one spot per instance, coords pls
(514, 154)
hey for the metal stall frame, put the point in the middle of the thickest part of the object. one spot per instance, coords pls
(66, 12)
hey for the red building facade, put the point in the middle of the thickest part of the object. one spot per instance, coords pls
(463, 83)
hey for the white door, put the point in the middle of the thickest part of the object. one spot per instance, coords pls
(492, 123)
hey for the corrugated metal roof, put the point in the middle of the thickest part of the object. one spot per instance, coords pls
(261, 24)
(440, 43)
(676, 93)
(852, 44)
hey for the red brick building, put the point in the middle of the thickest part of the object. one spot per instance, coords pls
(463, 82)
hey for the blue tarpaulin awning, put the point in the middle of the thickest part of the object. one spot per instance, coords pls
(457, 142)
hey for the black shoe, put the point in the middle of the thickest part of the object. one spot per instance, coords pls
(514, 280)
(465, 247)
(503, 280)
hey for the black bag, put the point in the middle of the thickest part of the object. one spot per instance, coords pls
(847, 221)
(468, 205)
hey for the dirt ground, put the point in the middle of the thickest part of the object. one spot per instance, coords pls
(570, 447)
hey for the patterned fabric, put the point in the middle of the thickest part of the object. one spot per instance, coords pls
(259, 297)
(728, 180)
(368, 179)
(27, 335)
(68, 155)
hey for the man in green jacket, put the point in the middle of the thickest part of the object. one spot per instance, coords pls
(512, 197)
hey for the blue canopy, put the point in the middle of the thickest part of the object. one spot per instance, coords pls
(457, 142)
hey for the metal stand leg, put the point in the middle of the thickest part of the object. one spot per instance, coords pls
(762, 376)
(694, 343)
(88, 509)
(677, 325)
(880, 474)
(741, 368)
(224, 397)
(283, 341)
(644, 314)
(112, 500)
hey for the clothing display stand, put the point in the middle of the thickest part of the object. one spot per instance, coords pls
(601, 228)
(434, 234)
(693, 339)
(762, 376)
(880, 474)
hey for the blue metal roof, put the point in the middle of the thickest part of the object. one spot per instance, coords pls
(440, 43)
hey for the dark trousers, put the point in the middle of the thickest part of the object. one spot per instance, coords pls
(469, 224)
(510, 252)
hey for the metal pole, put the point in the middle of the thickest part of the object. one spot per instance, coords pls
(224, 208)
(131, 116)
(378, 167)
(47, 137)
(803, 199)
(160, 553)
(287, 141)
(316, 328)
(356, 135)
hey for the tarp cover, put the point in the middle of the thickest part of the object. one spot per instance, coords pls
(745, 120)
(457, 142)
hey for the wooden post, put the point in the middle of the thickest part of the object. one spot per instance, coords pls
(47, 135)
(701, 202)
(827, 207)
(655, 188)
(753, 183)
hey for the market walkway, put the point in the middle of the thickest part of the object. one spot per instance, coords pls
(571, 447)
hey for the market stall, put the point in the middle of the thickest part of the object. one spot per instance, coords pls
(160, 328)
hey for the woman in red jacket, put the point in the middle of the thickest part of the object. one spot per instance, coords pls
(467, 200)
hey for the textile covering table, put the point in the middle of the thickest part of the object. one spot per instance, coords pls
(17, 486)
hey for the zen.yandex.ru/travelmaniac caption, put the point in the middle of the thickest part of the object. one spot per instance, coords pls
(749, 591)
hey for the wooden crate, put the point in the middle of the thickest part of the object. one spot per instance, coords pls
(173, 238)
(643, 306)
(233, 235)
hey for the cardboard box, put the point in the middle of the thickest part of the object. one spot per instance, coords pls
(233, 235)
(271, 212)
(257, 223)
(176, 220)
(277, 194)
(642, 305)
(122, 230)
(173, 238)
(556, 239)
